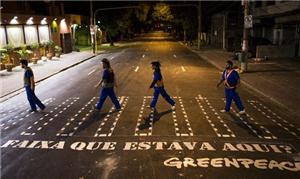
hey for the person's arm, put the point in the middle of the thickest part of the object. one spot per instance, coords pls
(155, 79)
(238, 82)
(104, 76)
(32, 85)
(115, 81)
(98, 84)
(222, 80)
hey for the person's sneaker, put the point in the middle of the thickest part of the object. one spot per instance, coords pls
(223, 111)
(43, 108)
(30, 111)
(149, 107)
(119, 109)
(242, 112)
(173, 107)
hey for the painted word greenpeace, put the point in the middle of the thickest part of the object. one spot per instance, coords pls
(232, 162)
(158, 146)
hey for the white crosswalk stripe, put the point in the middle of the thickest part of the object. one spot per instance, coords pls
(180, 124)
(45, 120)
(269, 114)
(225, 133)
(20, 117)
(146, 128)
(70, 130)
(99, 133)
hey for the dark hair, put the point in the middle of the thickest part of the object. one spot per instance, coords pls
(105, 60)
(229, 62)
(24, 62)
(156, 64)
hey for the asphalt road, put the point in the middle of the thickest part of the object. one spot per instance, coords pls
(72, 140)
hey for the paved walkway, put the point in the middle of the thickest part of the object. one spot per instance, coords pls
(277, 79)
(13, 81)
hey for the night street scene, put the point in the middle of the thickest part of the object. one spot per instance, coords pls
(150, 89)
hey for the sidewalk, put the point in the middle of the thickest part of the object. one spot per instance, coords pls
(13, 81)
(276, 79)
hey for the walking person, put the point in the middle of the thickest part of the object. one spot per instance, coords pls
(158, 86)
(29, 86)
(107, 83)
(231, 80)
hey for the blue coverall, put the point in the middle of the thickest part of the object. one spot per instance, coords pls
(158, 86)
(231, 80)
(33, 100)
(108, 90)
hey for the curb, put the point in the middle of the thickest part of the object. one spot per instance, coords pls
(20, 90)
(245, 83)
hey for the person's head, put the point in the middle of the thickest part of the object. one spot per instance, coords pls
(105, 63)
(155, 65)
(24, 63)
(229, 64)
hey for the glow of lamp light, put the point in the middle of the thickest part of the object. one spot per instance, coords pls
(63, 27)
(14, 20)
(29, 21)
(44, 21)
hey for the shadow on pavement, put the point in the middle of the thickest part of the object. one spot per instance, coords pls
(244, 126)
(96, 116)
(156, 117)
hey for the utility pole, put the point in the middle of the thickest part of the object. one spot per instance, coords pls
(244, 59)
(199, 25)
(92, 29)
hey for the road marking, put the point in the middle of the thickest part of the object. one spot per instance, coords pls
(175, 56)
(183, 69)
(140, 118)
(39, 128)
(268, 113)
(123, 101)
(207, 117)
(78, 123)
(137, 68)
(144, 55)
(250, 126)
(91, 72)
(231, 134)
(20, 118)
(186, 119)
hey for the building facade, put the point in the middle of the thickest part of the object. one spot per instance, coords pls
(279, 22)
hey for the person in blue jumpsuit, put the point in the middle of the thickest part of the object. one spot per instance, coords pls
(107, 83)
(29, 86)
(158, 86)
(231, 80)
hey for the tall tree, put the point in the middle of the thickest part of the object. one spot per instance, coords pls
(162, 13)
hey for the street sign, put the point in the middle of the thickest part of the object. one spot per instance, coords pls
(248, 21)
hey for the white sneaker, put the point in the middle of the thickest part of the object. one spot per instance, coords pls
(149, 107)
(242, 112)
(223, 111)
(173, 107)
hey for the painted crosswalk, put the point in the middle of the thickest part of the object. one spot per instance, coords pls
(43, 121)
(182, 121)
(23, 115)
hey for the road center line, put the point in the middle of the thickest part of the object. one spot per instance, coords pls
(91, 72)
(137, 69)
(144, 55)
(183, 69)
(175, 56)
